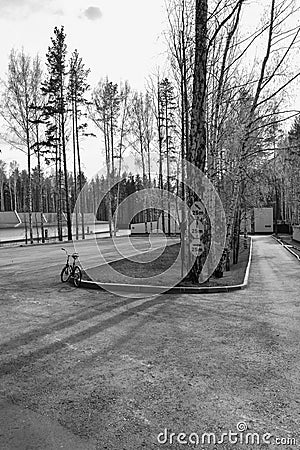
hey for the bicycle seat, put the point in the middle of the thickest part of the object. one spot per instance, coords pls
(75, 255)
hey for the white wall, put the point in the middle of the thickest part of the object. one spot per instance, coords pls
(263, 220)
(296, 232)
(139, 228)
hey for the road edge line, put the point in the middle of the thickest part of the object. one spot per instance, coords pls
(286, 247)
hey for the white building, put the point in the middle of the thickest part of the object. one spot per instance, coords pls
(263, 220)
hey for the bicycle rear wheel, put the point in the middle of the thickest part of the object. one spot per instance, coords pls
(66, 273)
(77, 275)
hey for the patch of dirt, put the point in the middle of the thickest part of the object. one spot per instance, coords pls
(163, 269)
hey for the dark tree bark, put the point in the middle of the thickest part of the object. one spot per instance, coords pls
(197, 148)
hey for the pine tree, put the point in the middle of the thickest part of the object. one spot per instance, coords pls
(54, 88)
(76, 92)
(167, 105)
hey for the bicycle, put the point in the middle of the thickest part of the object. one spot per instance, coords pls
(71, 270)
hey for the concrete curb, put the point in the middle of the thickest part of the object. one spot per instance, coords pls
(145, 289)
(287, 247)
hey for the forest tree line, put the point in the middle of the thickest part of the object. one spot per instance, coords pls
(14, 188)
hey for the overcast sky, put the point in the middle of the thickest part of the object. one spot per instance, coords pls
(119, 38)
(116, 38)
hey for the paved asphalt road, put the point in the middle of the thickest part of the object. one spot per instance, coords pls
(92, 252)
(85, 369)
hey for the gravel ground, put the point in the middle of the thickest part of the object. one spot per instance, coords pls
(106, 372)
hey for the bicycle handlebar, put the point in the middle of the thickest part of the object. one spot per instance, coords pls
(74, 255)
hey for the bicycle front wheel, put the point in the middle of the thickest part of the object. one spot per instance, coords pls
(77, 275)
(65, 273)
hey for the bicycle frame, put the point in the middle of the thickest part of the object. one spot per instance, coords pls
(68, 258)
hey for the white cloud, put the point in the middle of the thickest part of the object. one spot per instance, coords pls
(16, 9)
(93, 13)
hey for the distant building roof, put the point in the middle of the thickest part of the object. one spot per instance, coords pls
(35, 217)
(89, 218)
(51, 218)
(9, 219)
